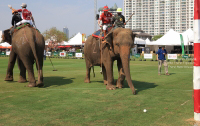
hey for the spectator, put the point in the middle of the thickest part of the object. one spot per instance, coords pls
(162, 60)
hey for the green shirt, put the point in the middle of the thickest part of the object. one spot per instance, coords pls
(119, 20)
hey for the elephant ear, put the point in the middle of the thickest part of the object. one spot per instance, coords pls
(6, 37)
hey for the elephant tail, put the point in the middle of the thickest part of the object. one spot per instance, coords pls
(33, 48)
(93, 71)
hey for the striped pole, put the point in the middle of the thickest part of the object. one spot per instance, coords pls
(196, 70)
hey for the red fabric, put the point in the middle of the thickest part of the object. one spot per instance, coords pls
(26, 14)
(96, 36)
(196, 9)
(64, 46)
(106, 19)
(196, 54)
(197, 101)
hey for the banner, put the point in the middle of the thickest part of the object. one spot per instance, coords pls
(79, 55)
(148, 56)
(62, 54)
(136, 55)
(172, 56)
(7, 53)
(182, 44)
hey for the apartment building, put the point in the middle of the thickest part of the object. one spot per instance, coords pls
(158, 16)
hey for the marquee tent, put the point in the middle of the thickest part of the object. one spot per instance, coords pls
(5, 44)
(76, 40)
(173, 38)
(188, 35)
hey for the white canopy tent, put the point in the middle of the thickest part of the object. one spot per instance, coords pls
(188, 35)
(172, 38)
(5, 44)
(76, 40)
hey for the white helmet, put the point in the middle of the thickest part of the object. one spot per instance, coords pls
(24, 5)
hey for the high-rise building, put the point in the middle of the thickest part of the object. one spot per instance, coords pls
(66, 31)
(158, 16)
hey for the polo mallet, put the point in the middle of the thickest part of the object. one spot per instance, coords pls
(129, 18)
(52, 65)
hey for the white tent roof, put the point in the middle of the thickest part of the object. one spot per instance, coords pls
(5, 44)
(188, 35)
(170, 38)
(139, 41)
(76, 40)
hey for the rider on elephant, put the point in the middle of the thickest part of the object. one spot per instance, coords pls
(15, 19)
(105, 18)
(118, 20)
(26, 15)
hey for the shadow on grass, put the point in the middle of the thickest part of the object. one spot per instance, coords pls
(139, 85)
(57, 81)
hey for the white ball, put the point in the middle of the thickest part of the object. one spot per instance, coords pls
(144, 110)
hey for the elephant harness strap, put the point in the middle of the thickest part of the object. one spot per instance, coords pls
(23, 26)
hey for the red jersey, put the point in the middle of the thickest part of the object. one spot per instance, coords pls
(26, 15)
(106, 19)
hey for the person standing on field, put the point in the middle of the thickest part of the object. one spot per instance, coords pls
(162, 60)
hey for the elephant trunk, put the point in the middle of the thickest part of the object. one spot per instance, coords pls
(124, 54)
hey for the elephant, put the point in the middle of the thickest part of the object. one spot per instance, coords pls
(28, 47)
(116, 46)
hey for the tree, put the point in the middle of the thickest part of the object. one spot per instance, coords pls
(156, 37)
(55, 35)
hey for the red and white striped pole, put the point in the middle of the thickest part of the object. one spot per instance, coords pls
(196, 70)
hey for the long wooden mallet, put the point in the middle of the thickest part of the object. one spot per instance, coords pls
(130, 18)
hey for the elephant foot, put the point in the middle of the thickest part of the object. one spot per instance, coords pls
(119, 85)
(105, 82)
(133, 91)
(8, 78)
(31, 85)
(22, 80)
(40, 84)
(87, 80)
(110, 87)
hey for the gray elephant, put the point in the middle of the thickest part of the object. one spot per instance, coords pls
(28, 45)
(116, 47)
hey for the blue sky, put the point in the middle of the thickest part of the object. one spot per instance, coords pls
(77, 15)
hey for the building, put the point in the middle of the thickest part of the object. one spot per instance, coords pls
(141, 34)
(159, 16)
(66, 31)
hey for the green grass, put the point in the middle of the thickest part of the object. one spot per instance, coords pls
(67, 100)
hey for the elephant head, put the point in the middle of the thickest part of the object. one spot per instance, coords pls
(6, 37)
(122, 41)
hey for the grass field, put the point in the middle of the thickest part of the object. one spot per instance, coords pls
(67, 100)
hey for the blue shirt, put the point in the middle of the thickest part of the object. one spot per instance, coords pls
(161, 56)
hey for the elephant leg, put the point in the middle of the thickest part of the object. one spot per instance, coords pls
(104, 75)
(22, 76)
(109, 72)
(88, 68)
(29, 67)
(121, 77)
(40, 72)
(11, 64)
